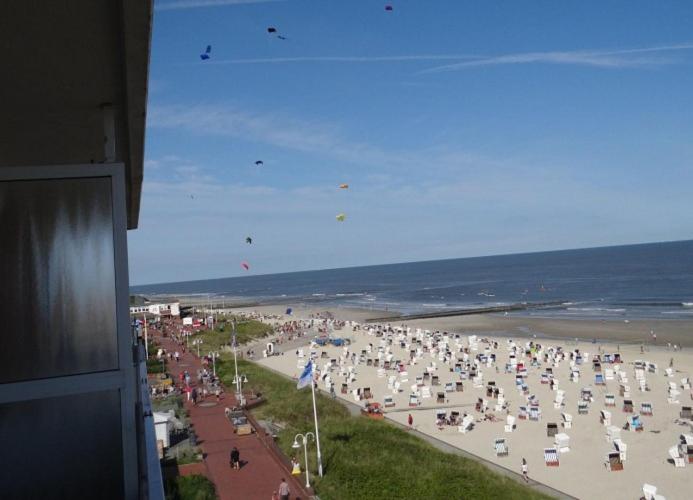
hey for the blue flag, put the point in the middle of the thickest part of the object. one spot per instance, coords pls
(306, 377)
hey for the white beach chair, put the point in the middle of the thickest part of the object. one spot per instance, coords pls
(501, 447)
(509, 423)
(562, 442)
(612, 433)
(466, 425)
(567, 420)
(551, 457)
(676, 456)
(605, 418)
(622, 448)
(425, 392)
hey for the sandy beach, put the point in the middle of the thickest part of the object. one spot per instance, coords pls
(581, 471)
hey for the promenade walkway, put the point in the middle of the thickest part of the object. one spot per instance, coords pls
(261, 470)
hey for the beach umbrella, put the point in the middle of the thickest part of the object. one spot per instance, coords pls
(341, 217)
(207, 53)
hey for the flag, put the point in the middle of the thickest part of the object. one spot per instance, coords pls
(306, 377)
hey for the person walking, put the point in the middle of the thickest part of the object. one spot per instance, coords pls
(410, 420)
(525, 473)
(284, 490)
(235, 458)
(193, 396)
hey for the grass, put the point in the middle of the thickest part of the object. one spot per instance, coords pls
(193, 487)
(220, 336)
(364, 458)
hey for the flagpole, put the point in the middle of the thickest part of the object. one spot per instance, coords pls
(317, 433)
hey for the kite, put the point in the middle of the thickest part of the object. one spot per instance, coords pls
(259, 162)
(288, 310)
(344, 186)
(341, 217)
(249, 240)
(245, 265)
(273, 31)
(388, 8)
(207, 53)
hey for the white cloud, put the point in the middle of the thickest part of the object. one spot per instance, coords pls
(196, 4)
(604, 58)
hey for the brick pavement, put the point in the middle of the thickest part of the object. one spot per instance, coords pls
(261, 470)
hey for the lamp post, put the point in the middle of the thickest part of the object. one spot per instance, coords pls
(214, 356)
(297, 445)
(197, 342)
(239, 381)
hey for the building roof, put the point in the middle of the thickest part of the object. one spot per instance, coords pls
(65, 63)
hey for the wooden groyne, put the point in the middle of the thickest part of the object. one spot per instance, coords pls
(466, 312)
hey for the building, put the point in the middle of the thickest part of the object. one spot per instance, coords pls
(169, 309)
(75, 420)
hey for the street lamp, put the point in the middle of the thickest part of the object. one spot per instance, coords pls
(297, 445)
(214, 356)
(239, 380)
(197, 342)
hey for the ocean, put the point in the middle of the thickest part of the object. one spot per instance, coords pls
(621, 282)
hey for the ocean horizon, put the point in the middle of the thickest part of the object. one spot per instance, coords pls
(649, 280)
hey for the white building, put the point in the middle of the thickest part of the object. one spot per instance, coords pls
(170, 309)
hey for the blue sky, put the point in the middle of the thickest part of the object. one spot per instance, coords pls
(462, 128)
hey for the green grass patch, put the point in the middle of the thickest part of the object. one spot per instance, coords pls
(193, 487)
(220, 336)
(364, 458)
(174, 403)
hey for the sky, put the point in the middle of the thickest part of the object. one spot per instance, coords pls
(462, 129)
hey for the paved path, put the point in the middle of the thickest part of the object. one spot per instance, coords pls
(261, 472)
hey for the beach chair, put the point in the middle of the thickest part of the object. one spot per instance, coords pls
(675, 455)
(609, 400)
(649, 492)
(425, 392)
(466, 425)
(627, 406)
(646, 408)
(583, 408)
(622, 448)
(609, 374)
(450, 387)
(435, 380)
(567, 420)
(522, 413)
(544, 378)
(501, 447)
(612, 433)
(388, 401)
(586, 394)
(613, 461)
(369, 362)
(534, 413)
(635, 424)
(509, 423)
(419, 380)
(414, 400)
(686, 412)
(599, 379)
(605, 418)
(440, 397)
(686, 384)
(596, 366)
(459, 387)
(551, 429)
(575, 376)
(562, 442)
(367, 393)
(551, 457)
